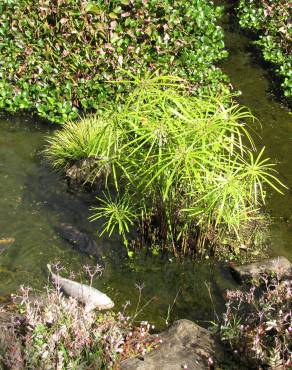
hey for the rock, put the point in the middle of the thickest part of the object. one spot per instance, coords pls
(85, 171)
(279, 266)
(79, 240)
(183, 344)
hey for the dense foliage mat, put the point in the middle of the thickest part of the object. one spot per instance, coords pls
(56, 55)
(172, 164)
(271, 19)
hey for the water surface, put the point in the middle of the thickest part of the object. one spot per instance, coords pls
(273, 130)
(34, 199)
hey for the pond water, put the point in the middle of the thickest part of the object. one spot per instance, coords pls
(273, 130)
(35, 199)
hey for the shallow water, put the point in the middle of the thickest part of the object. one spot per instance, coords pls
(273, 131)
(35, 199)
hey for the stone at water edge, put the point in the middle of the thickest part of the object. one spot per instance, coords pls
(85, 171)
(279, 266)
(184, 344)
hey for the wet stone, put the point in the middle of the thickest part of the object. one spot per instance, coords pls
(86, 171)
(80, 170)
(185, 345)
(279, 266)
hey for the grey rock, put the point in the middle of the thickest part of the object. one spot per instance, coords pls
(80, 170)
(279, 266)
(183, 344)
(88, 170)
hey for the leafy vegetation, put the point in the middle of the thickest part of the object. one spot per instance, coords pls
(257, 327)
(176, 166)
(272, 20)
(56, 56)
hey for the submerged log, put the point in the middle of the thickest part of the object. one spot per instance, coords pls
(278, 266)
(80, 241)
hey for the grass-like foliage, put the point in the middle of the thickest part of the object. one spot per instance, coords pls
(179, 167)
(257, 327)
(57, 55)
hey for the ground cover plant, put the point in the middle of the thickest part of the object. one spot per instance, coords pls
(182, 169)
(271, 20)
(257, 325)
(56, 56)
(51, 331)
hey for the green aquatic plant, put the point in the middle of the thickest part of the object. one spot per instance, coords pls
(183, 169)
(271, 20)
(118, 213)
(57, 60)
(82, 139)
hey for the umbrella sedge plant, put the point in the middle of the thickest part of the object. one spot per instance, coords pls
(182, 169)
